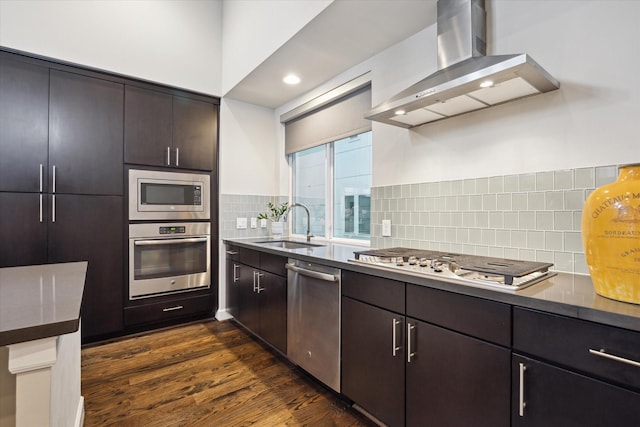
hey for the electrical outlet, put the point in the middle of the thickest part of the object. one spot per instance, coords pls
(386, 228)
(254, 222)
(241, 223)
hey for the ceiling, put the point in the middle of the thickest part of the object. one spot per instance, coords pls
(343, 35)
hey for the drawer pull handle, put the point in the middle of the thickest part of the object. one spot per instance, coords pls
(232, 252)
(603, 353)
(521, 403)
(177, 307)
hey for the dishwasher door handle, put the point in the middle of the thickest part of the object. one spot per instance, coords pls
(310, 273)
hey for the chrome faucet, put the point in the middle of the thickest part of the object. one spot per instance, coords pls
(309, 234)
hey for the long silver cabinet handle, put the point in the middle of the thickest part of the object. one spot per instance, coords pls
(314, 274)
(232, 252)
(177, 307)
(235, 276)
(53, 208)
(169, 241)
(41, 176)
(41, 208)
(394, 338)
(177, 157)
(521, 403)
(54, 178)
(168, 156)
(410, 354)
(602, 353)
(259, 289)
(254, 280)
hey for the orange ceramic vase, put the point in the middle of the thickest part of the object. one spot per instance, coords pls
(611, 236)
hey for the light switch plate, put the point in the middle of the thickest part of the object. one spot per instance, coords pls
(263, 223)
(241, 223)
(254, 222)
(386, 228)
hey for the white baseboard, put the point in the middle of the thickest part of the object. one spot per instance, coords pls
(223, 315)
(79, 422)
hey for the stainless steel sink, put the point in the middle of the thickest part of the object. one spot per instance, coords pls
(288, 244)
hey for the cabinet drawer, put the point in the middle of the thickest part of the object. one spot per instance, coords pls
(167, 310)
(248, 257)
(385, 293)
(233, 253)
(273, 263)
(576, 344)
(487, 320)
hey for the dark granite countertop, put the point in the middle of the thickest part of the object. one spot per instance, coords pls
(566, 294)
(40, 301)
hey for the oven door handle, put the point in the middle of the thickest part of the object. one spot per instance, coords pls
(169, 241)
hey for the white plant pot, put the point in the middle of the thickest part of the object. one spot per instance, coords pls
(277, 228)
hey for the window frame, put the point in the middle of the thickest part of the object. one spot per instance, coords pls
(329, 197)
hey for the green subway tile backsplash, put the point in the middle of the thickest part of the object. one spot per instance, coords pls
(532, 216)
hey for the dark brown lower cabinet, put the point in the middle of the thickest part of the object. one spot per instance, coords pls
(545, 395)
(90, 228)
(373, 375)
(46, 228)
(455, 380)
(23, 227)
(260, 300)
(449, 380)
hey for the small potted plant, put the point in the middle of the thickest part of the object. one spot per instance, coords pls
(277, 216)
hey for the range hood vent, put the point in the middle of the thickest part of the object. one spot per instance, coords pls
(466, 79)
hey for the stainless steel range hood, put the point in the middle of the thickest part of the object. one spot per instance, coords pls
(466, 79)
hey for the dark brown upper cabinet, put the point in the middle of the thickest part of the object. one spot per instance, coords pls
(169, 130)
(85, 135)
(24, 118)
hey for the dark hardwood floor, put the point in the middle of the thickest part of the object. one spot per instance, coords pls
(203, 374)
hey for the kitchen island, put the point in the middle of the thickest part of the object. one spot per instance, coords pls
(554, 353)
(40, 344)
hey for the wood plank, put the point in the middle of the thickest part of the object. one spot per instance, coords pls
(203, 374)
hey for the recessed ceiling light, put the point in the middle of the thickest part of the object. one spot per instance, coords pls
(400, 112)
(486, 83)
(291, 79)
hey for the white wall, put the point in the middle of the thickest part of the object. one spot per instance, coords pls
(255, 29)
(589, 46)
(249, 159)
(171, 42)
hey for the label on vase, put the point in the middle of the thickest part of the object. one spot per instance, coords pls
(611, 237)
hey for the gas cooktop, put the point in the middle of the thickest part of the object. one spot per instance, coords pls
(480, 271)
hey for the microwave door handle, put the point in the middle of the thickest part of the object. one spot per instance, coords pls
(169, 241)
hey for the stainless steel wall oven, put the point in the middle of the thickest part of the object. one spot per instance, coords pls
(168, 257)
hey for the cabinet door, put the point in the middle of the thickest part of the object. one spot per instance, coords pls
(556, 397)
(233, 286)
(85, 135)
(272, 293)
(195, 129)
(23, 227)
(24, 118)
(90, 228)
(147, 127)
(247, 311)
(372, 376)
(456, 380)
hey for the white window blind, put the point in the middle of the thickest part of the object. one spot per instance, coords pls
(335, 115)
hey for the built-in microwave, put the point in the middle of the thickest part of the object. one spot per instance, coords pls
(161, 195)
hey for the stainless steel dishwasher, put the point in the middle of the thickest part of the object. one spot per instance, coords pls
(313, 320)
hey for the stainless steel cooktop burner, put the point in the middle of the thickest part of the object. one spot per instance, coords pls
(499, 273)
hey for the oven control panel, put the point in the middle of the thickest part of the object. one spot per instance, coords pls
(172, 230)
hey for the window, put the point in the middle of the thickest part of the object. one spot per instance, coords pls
(334, 181)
